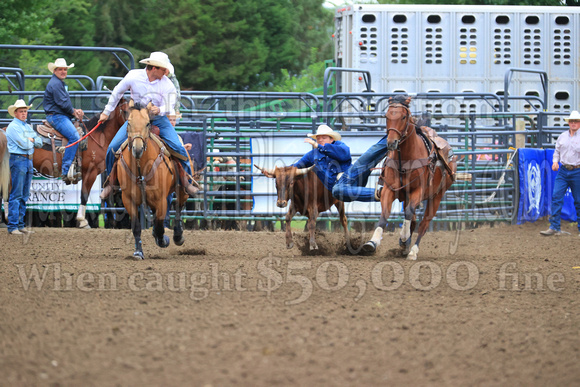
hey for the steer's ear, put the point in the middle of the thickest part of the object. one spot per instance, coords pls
(265, 172)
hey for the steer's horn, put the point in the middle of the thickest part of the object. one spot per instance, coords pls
(303, 171)
(265, 171)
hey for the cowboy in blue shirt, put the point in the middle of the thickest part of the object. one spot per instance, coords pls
(22, 140)
(329, 157)
(59, 111)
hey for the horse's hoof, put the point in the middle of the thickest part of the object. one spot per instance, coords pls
(412, 256)
(138, 255)
(313, 246)
(163, 242)
(178, 240)
(84, 224)
(369, 248)
(290, 245)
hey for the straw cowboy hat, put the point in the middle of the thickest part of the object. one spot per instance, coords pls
(17, 105)
(159, 59)
(60, 62)
(325, 130)
(574, 116)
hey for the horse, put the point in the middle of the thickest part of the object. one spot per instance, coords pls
(420, 166)
(4, 171)
(93, 157)
(147, 175)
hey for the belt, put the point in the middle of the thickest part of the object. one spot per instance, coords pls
(570, 167)
(18, 154)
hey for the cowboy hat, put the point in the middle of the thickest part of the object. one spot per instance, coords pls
(17, 105)
(171, 69)
(60, 62)
(158, 59)
(574, 116)
(325, 130)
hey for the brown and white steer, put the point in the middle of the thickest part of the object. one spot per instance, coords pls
(306, 194)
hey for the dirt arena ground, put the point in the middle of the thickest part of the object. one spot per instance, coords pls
(500, 307)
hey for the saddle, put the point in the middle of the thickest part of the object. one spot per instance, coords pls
(443, 150)
(53, 141)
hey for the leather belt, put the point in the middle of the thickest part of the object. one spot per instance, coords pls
(570, 167)
(27, 156)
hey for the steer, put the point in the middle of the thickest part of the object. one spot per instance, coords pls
(307, 195)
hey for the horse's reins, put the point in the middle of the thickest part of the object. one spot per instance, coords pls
(405, 134)
(86, 135)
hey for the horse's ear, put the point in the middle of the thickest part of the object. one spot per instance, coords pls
(408, 101)
(149, 105)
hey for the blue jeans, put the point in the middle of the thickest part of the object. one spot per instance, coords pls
(166, 132)
(21, 172)
(351, 185)
(564, 179)
(65, 126)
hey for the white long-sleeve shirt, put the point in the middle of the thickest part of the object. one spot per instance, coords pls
(567, 149)
(160, 92)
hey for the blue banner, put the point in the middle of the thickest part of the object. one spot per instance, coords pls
(536, 185)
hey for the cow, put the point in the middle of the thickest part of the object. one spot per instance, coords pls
(303, 191)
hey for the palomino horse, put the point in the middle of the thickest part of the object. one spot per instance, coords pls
(4, 171)
(419, 166)
(93, 158)
(147, 175)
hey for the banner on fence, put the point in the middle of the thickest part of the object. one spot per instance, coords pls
(50, 194)
(536, 180)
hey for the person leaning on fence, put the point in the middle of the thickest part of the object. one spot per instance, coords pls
(568, 153)
(148, 85)
(22, 140)
(59, 113)
(329, 157)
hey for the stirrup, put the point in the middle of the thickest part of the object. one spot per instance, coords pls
(378, 192)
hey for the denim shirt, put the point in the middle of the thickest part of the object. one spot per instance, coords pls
(56, 98)
(328, 160)
(18, 133)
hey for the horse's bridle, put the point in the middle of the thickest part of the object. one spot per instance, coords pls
(405, 133)
(141, 136)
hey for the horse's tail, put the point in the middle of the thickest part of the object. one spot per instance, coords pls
(5, 176)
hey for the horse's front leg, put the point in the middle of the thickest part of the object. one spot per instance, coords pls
(289, 215)
(161, 239)
(136, 229)
(408, 226)
(387, 199)
(88, 181)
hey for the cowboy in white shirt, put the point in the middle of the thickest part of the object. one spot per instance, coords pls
(148, 85)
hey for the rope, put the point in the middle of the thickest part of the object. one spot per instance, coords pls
(502, 178)
(85, 136)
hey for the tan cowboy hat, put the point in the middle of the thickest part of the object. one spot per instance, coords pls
(157, 58)
(325, 130)
(60, 62)
(574, 116)
(17, 105)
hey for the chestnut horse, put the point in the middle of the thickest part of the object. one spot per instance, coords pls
(416, 169)
(93, 158)
(147, 175)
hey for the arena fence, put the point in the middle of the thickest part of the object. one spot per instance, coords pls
(482, 133)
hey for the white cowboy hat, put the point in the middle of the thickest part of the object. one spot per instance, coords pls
(574, 116)
(60, 62)
(17, 105)
(325, 130)
(157, 58)
(171, 69)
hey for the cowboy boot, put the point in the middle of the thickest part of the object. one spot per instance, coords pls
(110, 183)
(190, 189)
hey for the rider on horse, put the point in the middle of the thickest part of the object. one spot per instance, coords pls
(59, 112)
(149, 85)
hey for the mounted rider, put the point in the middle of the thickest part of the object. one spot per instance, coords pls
(60, 112)
(149, 85)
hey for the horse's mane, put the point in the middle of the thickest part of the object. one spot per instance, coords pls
(93, 121)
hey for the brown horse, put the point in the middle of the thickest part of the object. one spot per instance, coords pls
(147, 176)
(93, 158)
(419, 166)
